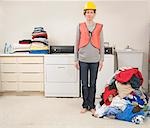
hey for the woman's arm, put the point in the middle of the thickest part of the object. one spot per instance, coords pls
(76, 48)
(101, 50)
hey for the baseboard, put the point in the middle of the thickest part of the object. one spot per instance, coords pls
(22, 93)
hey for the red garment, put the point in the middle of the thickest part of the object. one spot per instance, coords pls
(24, 41)
(107, 93)
(41, 34)
(126, 75)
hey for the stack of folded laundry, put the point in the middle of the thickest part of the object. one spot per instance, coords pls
(22, 47)
(124, 98)
(39, 43)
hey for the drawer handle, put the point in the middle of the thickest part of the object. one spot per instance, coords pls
(61, 67)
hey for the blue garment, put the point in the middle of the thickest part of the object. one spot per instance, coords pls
(135, 82)
(137, 99)
(112, 111)
(127, 114)
(39, 52)
(38, 29)
(143, 96)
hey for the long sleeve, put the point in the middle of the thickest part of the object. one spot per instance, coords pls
(101, 47)
(76, 44)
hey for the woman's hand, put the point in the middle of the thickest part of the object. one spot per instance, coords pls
(77, 65)
(100, 65)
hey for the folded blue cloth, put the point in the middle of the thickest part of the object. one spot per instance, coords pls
(39, 51)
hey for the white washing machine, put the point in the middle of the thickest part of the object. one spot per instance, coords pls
(61, 77)
(130, 58)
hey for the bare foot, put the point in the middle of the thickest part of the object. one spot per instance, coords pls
(93, 111)
(83, 110)
(95, 115)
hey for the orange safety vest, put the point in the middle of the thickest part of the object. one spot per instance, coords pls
(85, 37)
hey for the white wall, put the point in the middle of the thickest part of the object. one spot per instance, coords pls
(149, 18)
(125, 22)
(55, 17)
(1, 25)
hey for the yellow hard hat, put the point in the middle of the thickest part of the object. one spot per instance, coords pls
(90, 5)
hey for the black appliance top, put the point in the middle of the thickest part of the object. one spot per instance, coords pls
(61, 49)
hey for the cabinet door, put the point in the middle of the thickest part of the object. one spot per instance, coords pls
(9, 86)
(30, 86)
(30, 67)
(61, 73)
(59, 59)
(30, 77)
(6, 60)
(9, 68)
(34, 60)
(62, 89)
(9, 77)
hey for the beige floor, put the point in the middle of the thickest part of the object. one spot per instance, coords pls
(41, 112)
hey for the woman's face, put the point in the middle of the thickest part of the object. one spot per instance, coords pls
(89, 15)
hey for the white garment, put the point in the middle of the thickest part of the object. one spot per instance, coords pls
(44, 40)
(100, 110)
(119, 103)
(116, 102)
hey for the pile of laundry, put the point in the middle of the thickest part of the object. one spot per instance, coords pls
(38, 44)
(124, 98)
(22, 47)
(39, 41)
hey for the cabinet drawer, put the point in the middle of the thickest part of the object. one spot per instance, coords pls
(34, 60)
(30, 67)
(34, 77)
(30, 86)
(59, 59)
(8, 60)
(61, 73)
(9, 68)
(9, 77)
(9, 86)
(62, 90)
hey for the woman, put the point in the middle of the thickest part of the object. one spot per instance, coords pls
(89, 55)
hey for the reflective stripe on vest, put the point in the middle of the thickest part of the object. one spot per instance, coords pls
(85, 36)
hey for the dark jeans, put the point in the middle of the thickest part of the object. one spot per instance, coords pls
(88, 91)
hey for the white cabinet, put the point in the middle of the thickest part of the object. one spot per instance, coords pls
(61, 77)
(21, 73)
(57, 77)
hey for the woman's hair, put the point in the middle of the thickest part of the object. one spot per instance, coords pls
(84, 12)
